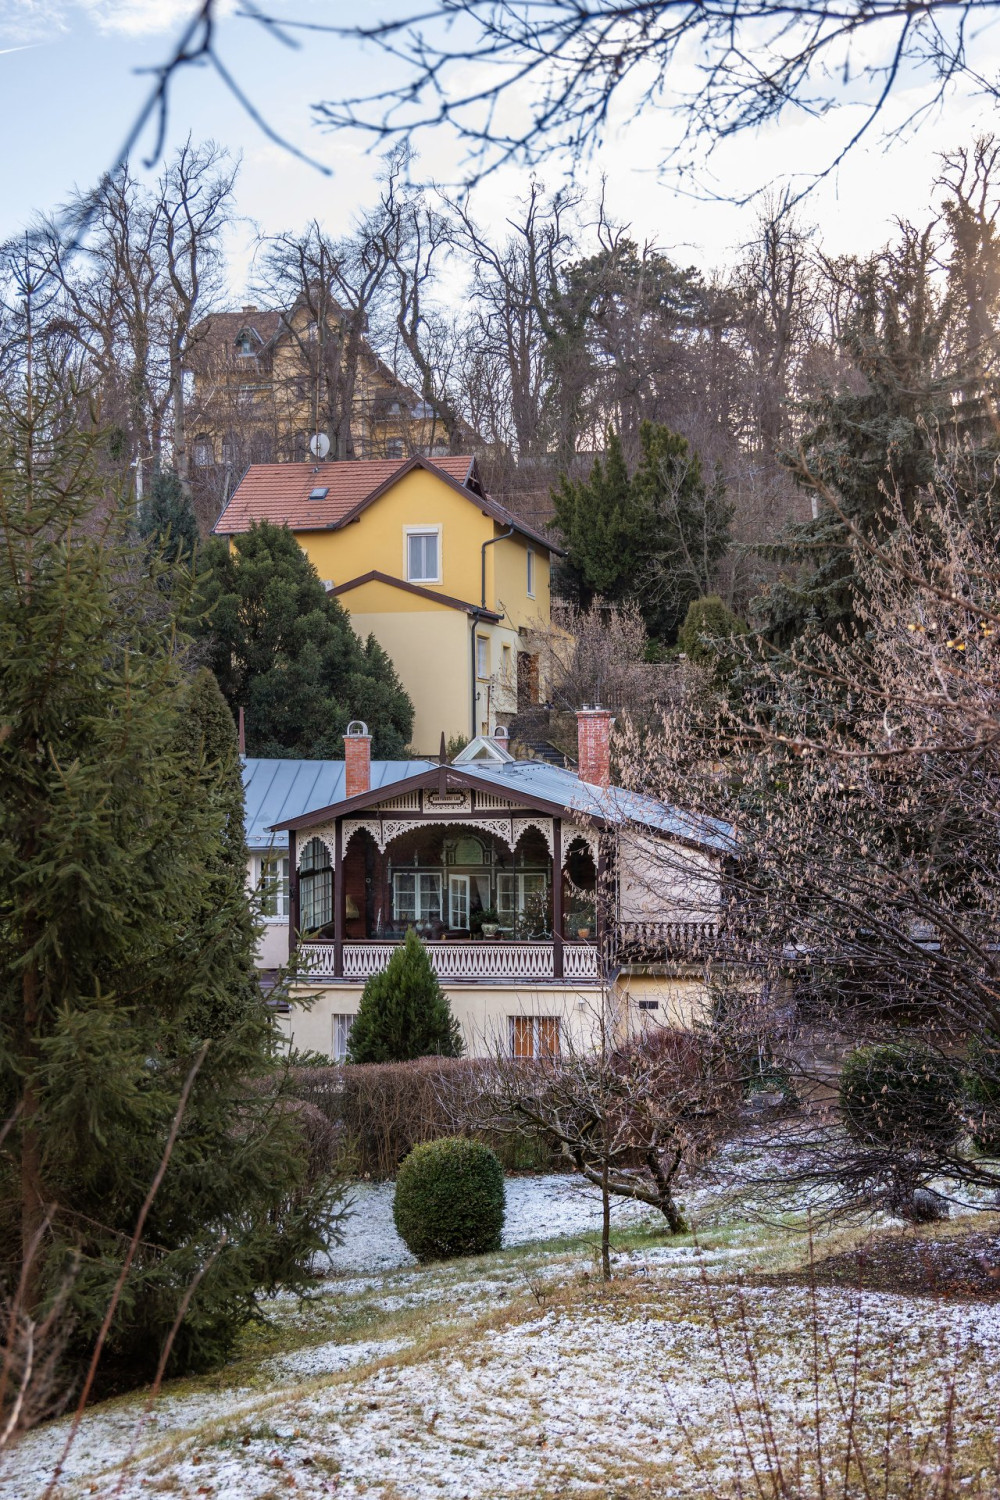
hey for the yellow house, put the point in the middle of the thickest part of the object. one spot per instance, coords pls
(448, 581)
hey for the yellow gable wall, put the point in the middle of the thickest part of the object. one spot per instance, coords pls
(376, 540)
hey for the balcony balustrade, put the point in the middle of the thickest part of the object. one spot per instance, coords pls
(457, 961)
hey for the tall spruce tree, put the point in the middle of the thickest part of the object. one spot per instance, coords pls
(652, 538)
(125, 939)
(284, 651)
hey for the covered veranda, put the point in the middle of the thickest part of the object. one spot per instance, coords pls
(492, 898)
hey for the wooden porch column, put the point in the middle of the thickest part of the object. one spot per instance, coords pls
(338, 900)
(557, 899)
(601, 925)
(293, 893)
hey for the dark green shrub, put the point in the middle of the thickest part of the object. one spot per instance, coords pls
(404, 1013)
(982, 1088)
(900, 1095)
(450, 1199)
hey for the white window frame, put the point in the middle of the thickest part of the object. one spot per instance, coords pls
(529, 578)
(482, 657)
(411, 531)
(340, 1032)
(423, 896)
(276, 885)
(514, 888)
(459, 897)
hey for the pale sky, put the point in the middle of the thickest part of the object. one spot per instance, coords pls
(69, 90)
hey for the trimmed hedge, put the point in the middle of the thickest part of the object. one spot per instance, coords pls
(901, 1095)
(450, 1199)
(380, 1111)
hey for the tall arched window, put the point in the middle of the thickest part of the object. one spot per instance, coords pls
(315, 886)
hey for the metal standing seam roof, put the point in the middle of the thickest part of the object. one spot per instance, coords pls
(278, 789)
(612, 804)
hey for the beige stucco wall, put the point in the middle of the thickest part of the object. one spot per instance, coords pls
(660, 881)
(482, 1011)
(432, 653)
(681, 1000)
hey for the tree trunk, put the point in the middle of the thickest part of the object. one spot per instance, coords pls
(32, 1197)
(605, 1221)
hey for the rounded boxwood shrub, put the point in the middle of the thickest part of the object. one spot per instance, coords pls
(450, 1199)
(900, 1095)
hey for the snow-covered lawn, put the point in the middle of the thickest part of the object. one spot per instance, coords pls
(520, 1374)
(538, 1208)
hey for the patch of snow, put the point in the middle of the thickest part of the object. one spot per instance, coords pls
(538, 1208)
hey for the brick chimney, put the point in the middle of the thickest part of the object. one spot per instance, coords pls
(593, 738)
(357, 759)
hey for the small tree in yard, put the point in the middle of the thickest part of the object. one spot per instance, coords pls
(404, 1013)
(127, 1001)
(627, 1112)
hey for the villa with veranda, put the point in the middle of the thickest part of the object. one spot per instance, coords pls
(536, 889)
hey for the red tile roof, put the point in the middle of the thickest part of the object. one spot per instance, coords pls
(280, 493)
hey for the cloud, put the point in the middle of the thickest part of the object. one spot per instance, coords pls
(141, 17)
(23, 22)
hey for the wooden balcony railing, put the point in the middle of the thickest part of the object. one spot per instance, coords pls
(659, 942)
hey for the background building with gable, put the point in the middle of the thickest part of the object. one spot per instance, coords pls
(451, 584)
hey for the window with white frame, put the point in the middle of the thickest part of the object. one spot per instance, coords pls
(341, 1031)
(517, 892)
(203, 452)
(423, 556)
(315, 886)
(534, 1036)
(416, 896)
(482, 656)
(272, 882)
(530, 573)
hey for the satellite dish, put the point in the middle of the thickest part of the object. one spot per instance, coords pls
(319, 445)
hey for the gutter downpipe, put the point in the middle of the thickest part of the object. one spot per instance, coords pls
(490, 542)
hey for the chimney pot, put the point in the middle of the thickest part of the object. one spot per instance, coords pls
(357, 759)
(593, 738)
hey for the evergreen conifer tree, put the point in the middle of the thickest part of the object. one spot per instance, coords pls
(653, 538)
(167, 520)
(283, 650)
(404, 1013)
(709, 626)
(125, 938)
(871, 441)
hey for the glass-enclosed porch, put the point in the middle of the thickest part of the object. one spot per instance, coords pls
(487, 906)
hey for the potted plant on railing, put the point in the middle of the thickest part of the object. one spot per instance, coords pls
(582, 922)
(486, 921)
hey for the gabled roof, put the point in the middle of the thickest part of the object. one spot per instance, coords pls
(374, 576)
(276, 789)
(287, 494)
(543, 788)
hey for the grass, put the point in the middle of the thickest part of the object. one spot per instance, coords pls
(699, 1369)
